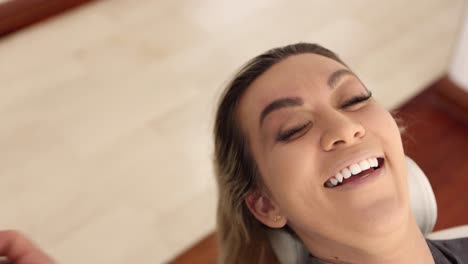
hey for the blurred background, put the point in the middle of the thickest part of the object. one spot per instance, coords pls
(106, 107)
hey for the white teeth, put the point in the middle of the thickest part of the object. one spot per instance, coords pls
(355, 169)
(346, 173)
(339, 177)
(364, 165)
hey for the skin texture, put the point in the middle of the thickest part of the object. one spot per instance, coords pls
(368, 223)
(15, 248)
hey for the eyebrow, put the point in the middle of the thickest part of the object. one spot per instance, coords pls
(332, 82)
(280, 103)
(336, 76)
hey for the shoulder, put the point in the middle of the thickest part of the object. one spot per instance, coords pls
(452, 248)
(453, 244)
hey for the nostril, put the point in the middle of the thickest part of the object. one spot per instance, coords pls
(338, 142)
(359, 134)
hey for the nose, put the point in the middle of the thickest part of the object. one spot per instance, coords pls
(341, 131)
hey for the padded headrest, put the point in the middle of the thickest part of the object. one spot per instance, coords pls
(422, 202)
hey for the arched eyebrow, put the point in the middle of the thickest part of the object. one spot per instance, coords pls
(332, 82)
(278, 104)
(336, 76)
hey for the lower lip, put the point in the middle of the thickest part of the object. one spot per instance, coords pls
(369, 178)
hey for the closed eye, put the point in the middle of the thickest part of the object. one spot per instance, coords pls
(288, 134)
(356, 100)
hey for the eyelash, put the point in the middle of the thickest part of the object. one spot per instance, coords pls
(285, 136)
(356, 100)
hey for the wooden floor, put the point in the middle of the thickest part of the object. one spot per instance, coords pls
(436, 138)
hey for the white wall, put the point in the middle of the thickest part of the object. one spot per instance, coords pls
(459, 67)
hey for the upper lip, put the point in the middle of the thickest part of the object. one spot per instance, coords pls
(352, 160)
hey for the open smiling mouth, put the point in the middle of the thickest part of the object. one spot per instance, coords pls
(356, 171)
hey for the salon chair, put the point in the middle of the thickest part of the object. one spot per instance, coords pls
(423, 204)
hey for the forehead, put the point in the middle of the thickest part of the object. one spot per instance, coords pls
(295, 75)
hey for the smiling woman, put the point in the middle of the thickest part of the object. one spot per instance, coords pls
(301, 145)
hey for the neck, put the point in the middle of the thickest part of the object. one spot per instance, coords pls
(407, 245)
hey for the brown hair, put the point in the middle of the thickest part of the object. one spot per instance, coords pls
(243, 239)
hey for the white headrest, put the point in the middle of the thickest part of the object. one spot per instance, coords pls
(422, 202)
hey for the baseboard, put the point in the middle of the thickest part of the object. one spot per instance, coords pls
(17, 14)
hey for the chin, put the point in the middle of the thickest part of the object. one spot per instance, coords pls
(384, 216)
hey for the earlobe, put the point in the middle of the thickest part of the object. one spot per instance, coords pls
(265, 210)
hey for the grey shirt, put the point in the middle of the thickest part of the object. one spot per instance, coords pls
(453, 251)
(449, 251)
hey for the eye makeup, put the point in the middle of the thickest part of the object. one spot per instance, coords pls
(289, 134)
(356, 99)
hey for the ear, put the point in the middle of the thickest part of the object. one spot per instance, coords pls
(265, 210)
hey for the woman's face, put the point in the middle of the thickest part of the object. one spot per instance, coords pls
(303, 128)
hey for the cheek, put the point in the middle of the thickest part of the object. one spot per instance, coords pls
(383, 126)
(380, 122)
(292, 171)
